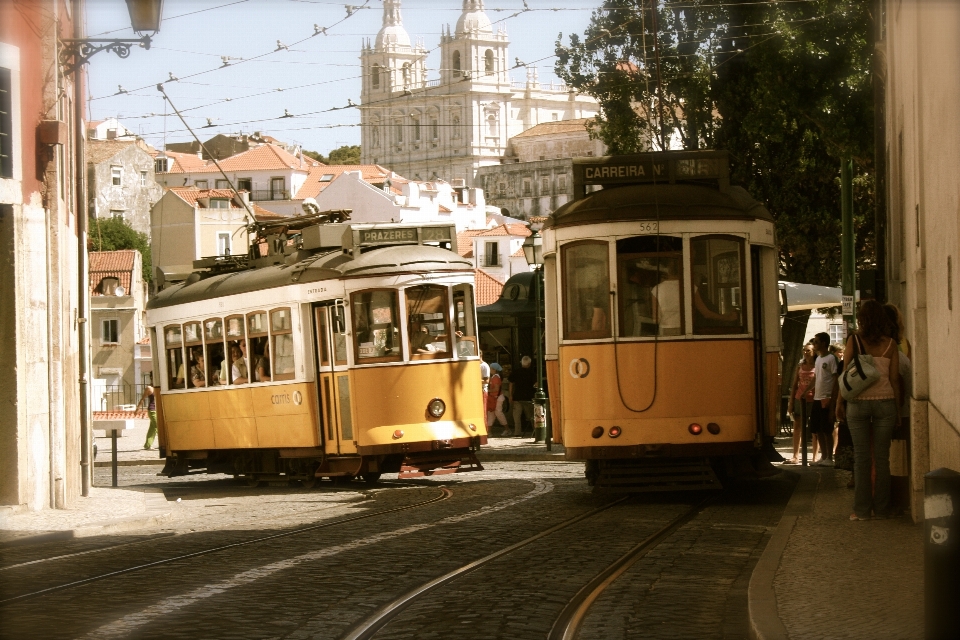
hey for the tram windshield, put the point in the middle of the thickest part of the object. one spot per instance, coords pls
(465, 329)
(376, 326)
(586, 292)
(650, 277)
(717, 285)
(428, 307)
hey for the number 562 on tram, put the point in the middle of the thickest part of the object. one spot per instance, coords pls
(332, 350)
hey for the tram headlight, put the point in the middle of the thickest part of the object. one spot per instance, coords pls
(398, 434)
(713, 428)
(473, 427)
(614, 432)
(695, 429)
(436, 408)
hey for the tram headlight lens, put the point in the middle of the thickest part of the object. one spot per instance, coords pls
(473, 427)
(695, 429)
(713, 428)
(614, 432)
(398, 434)
(597, 432)
(436, 408)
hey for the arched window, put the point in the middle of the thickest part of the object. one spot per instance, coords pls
(456, 63)
(491, 125)
(375, 76)
(488, 61)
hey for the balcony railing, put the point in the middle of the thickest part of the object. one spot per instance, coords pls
(259, 195)
(493, 260)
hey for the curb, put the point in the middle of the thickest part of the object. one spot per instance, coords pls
(765, 623)
(131, 463)
(86, 531)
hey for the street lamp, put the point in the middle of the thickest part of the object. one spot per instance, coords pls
(533, 252)
(144, 17)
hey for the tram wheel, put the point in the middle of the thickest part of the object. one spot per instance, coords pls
(310, 483)
(370, 478)
(253, 481)
(342, 480)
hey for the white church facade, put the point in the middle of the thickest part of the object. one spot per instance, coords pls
(446, 128)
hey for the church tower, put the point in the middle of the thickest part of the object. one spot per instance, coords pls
(473, 53)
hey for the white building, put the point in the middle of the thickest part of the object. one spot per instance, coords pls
(446, 128)
(109, 129)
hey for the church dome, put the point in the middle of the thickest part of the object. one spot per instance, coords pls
(473, 19)
(392, 34)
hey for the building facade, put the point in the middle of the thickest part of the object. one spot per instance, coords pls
(922, 65)
(447, 127)
(121, 182)
(42, 243)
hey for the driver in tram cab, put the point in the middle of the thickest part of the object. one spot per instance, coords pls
(706, 312)
(420, 339)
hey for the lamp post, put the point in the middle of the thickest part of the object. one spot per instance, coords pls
(144, 16)
(533, 252)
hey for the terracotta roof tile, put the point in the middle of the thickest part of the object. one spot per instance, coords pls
(97, 151)
(507, 230)
(185, 162)
(518, 253)
(444, 209)
(262, 214)
(313, 186)
(465, 241)
(559, 126)
(111, 264)
(191, 195)
(488, 288)
(144, 340)
(120, 415)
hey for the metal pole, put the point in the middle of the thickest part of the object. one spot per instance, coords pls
(83, 278)
(539, 398)
(847, 245)
(941, 551)
(113, 440)
(548, 430)
(803, 432)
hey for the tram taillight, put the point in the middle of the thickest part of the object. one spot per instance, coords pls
(713, 428)
(597, 432)
(614, 432)
(398, 434)
(695, 429)
(436, 408)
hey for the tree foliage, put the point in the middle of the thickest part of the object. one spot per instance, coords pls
(784, 87)
(347, 154)
(113, 234)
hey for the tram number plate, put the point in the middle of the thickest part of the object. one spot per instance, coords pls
(649, 227)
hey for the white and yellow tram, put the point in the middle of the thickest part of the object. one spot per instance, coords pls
(662, 322)
(332, 350)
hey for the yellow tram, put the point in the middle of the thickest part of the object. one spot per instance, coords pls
(662, 322)
(332, 350)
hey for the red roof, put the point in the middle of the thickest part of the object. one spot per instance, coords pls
(314, 184)
(518, 253)
(514, 229)
(465, 241)
(111, 264)
(120, 415)
(144, 340)
(185, 162)
(262, 215)
(192, 195)
(488, 288)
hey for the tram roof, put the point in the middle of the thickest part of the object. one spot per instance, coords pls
(661, 201)
(330, 265)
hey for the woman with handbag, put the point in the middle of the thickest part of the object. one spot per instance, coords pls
(870, 403)
(801, 393)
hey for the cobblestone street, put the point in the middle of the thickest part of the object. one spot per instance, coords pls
(354, 547)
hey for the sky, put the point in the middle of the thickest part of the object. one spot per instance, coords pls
(263, 81)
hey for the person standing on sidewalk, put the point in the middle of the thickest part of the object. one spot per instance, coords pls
(801, 393)
(874, 413)
(826, 388)
(149, 402)
(493, 394)
(523, 384)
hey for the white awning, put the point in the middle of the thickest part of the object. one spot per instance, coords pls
(800, 296)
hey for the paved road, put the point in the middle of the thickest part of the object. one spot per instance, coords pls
(319, 583)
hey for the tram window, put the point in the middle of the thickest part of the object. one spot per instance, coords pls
(464, 320)
(196, 367)
(217, 366)
(717, 274)
(237, 349)
(322, 337)
(259, 349)
(649, 286)
(281, 332)
(173, 341)
(375, 327)
(427, 322)
(586, 290)
(339, 335)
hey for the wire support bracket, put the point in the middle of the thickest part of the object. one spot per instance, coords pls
(76, 52)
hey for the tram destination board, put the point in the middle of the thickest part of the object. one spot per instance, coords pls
(712, 167)
(392, 234)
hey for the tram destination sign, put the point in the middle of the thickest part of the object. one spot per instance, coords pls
(392, 234)
(644, 168)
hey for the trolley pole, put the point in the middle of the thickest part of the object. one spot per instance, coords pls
(847, 246)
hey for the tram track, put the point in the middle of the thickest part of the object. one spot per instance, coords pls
(567, 624)
(445, 494)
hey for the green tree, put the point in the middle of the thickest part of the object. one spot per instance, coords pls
(784, 87)
(347, 154)
(113, 234)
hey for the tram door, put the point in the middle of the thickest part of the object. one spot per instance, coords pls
(333, 379)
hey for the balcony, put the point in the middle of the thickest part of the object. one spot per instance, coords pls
(259, 195)
(492, 260)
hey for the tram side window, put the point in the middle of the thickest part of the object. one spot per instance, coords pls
(339, 334)
(650, 289)
(196, 366)
(237, 351)
(217, 366)
(464, 320)
(376, 328)
(259, 349)
(718, 285)
(586, 290)
(173, 341)
(281, 331)
(427, 322)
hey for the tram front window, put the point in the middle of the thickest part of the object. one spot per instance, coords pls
(649, 273)
(427, 322)
(376, 328)
(586, 290)
(717, 285)
(464, 321)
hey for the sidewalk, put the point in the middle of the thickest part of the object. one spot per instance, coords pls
(519, 450)
(106, 510)
(129, 448)
(823, 576)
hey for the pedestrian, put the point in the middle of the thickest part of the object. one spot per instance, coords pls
(826, 388)
(874, 413)
(494, 390)
(484, 380)
(801, 394)
(523, 384)
(899, 484)
(149, 402)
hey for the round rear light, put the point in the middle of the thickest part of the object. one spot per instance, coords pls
(473, 427)
(614, 432)
(713, 428)
(398, 434)
(597, 432)
(436, 407)
(695, 429)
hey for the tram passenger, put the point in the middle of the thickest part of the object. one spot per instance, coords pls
(198, 372)
(262, 370)
(238, 368)
(665, 300)
(705, 312)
